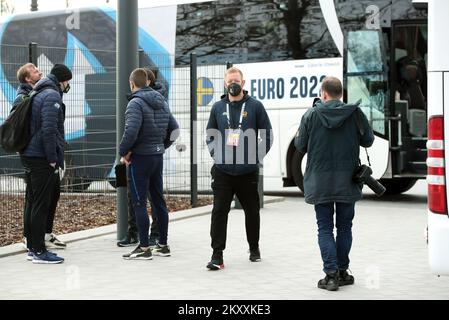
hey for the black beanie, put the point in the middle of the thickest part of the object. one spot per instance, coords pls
(61, 72)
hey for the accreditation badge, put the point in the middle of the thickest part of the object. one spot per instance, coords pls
(233, 137)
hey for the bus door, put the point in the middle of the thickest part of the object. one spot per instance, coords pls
(366, 79)
(408, 99)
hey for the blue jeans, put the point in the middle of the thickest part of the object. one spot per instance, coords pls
(334, 252)
(146, 175)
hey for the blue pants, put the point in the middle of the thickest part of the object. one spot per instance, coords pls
(146, 176)
(335, 252)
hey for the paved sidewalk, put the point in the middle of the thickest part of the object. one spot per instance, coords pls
(388, 260)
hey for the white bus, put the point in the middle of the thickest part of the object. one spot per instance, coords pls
(438, 219)
(284, 49)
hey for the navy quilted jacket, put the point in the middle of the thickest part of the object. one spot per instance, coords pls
(149, 124)
(47, 122)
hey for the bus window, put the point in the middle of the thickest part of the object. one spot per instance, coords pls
(365, 76)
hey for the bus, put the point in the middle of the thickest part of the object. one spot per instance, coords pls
(438, 75)
(284, 48)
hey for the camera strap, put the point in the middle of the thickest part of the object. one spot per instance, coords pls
(367, 157)
(361, 131)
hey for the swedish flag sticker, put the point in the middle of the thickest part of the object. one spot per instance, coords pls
(205, 91)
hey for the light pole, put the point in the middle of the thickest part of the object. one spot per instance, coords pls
(127, 60)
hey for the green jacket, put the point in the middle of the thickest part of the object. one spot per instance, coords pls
(329, 134)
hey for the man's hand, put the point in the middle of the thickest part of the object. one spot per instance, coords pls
(126, 159)
(53, 164)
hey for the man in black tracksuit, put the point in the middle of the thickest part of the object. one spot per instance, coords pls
(235, 123)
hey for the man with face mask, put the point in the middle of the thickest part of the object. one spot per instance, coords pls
(239, 135)
(42, 158)
(28, 75)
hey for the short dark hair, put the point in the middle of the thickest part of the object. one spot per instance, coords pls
(150, 76)
(24, 72)
(139, 77)
(333, 87)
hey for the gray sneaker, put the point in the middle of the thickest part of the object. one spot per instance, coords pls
(54, 243)
(161, 250)
(138, 254)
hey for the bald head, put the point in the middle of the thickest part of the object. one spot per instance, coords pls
(331, 89)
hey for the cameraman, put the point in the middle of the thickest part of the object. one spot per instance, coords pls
(330, 136)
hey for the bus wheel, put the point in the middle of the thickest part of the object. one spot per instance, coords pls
(296, 169)
(397, 185)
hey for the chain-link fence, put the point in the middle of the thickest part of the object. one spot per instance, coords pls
(88, 193)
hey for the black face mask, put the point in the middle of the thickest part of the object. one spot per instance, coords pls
(234, 89)
(67, 88)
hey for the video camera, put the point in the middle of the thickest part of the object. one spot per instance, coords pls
(363, 175)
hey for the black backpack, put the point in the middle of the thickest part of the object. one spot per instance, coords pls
(15, 131)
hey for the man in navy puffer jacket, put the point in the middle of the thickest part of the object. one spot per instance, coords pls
(44, 155)
(28, 75)
(150, 128)
(131, 238)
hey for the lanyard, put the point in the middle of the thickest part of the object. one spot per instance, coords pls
(241, 115)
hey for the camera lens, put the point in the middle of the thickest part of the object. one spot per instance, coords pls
(375, 185)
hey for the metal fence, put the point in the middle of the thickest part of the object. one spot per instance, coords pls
(88, 193)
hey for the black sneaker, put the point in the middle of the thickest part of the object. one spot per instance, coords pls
(161, 250)
(330, 282)
(128, 242)
(216, 263)
(138, 254)
(344, 278)
(254, 255)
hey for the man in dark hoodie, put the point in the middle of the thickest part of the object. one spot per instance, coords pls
(28, 75)
(329, 134)
(235, 125)
(43, 156)
(150, 128)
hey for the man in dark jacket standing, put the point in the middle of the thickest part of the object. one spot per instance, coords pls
(330, 136)
(150, 128)
(28, 75)
(235, 125)
(43, 157)
(131, 238)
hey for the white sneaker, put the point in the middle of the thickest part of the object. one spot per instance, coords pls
(51, 242)
(24, 243)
